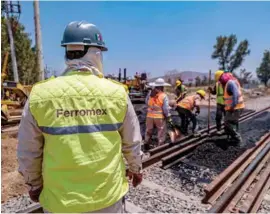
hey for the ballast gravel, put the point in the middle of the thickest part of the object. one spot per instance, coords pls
(16, 204)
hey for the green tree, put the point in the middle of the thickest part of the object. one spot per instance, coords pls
(229, 57)
(25, 54)
(198, 81)
(263, 72)
(244, 77)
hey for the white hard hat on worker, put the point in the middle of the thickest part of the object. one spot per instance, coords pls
(159, 83)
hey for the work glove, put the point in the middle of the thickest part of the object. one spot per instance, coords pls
(170, 123)
(231, 109)
(34, 194)
(135, 177)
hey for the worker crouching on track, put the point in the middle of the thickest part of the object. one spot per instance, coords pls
(185, 110)
(74, 133)
(180, 90)
(234, 105)
(157, 113)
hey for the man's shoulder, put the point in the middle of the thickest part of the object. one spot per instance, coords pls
(116, 84)
(44, 82)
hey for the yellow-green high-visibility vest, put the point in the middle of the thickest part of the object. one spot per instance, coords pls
(220, 93)
(80, 115)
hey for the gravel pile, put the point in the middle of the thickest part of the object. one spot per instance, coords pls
(16, 204)
(219, 155)
(157, 202)
(181, 178)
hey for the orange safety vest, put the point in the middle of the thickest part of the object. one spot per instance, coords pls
(228, 99)
(155, 106)
(187, 103)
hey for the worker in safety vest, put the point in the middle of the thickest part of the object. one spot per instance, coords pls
(185, 110)
(158, 112)
(234, 105)
(75, 132)
(180, 90)
(218, 91)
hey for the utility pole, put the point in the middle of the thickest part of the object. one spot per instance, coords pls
(39, 58)
(11, 8)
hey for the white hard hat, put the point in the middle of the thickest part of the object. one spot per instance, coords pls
(160, 82)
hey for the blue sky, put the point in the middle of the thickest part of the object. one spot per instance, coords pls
(155, 36)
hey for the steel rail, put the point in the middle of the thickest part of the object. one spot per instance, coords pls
(227, 196)
(205, 130)
(231, 206)
(193, 143)
(251, 199)
(224, 179)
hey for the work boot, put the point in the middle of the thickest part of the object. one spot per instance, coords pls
(219, 132)
(146, 147)
(196, 134)
(240, 142)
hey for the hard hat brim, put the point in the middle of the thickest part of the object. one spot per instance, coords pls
(85, 44)
(163, 84)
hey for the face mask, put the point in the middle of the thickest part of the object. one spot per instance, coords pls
(93, 58)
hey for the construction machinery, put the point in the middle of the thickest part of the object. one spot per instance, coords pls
(13, 94)
(137, 86)
(13, 97)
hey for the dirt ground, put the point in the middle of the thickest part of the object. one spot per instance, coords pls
(12, 182)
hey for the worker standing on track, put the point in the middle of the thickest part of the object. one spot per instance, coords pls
(157, 113)
(180, 90)
(234, 105)
(218, 90)
(74, 131)
(185, 110)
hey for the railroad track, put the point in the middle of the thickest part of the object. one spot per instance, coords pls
(171, 154)
(240, 187)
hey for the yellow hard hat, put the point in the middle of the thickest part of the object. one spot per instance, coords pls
(178, 82)
(201, 92)
(218, 75)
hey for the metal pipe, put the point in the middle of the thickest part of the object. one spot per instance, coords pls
(218, 207)
(119, 75)
(125, 74)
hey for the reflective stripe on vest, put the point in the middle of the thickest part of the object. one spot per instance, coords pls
(220, 93)
(83, 169)
(155, 106)
(187, 103)
(228, 99)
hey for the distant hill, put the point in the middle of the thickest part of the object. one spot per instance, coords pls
(186, 76)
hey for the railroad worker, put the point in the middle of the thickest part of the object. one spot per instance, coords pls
(234, 105)
(218, 91)
(158, 112)
(74, 132)
(185, 109)
(180, 90)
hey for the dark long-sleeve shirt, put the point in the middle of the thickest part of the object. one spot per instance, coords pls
(232, 90)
